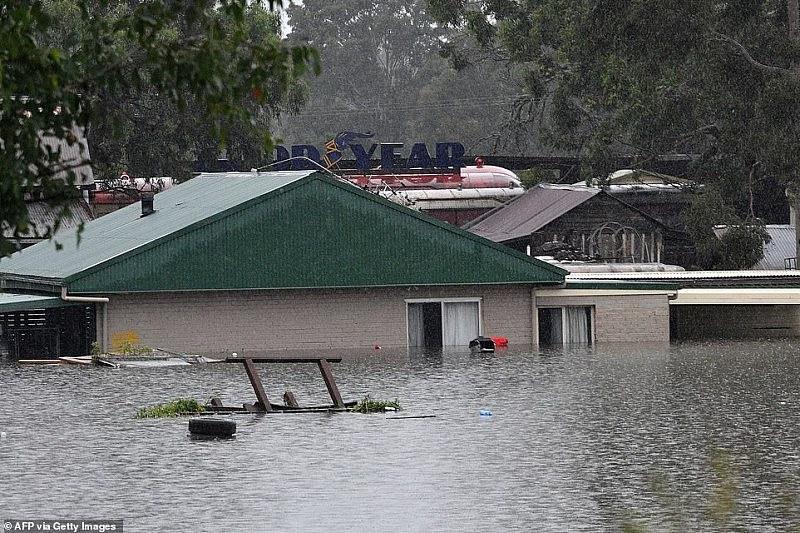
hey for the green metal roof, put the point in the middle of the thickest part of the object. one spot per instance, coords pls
(10, 303)
(628, 285)
(268, 230)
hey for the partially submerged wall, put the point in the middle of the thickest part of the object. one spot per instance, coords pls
(221, 322)
(619, 316)
(734, 321)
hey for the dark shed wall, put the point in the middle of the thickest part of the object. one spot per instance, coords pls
(604, 228)
(734, 321)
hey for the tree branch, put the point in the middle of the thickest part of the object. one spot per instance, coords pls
(770, 69)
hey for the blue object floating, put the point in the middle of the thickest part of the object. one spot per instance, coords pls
(485, 413)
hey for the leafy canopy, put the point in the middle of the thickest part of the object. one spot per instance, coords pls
(383, 72)
(716, 80)
(199, 57)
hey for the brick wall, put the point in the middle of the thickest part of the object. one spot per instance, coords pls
(621, 318)
(218, 323)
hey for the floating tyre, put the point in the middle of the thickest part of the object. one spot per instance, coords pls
(212, 427)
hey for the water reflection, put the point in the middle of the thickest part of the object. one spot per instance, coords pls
(688, 437)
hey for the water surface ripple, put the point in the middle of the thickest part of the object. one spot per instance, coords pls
(688, 437)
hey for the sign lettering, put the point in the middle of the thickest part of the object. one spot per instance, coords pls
(307, 157)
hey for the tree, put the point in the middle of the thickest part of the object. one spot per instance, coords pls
(373, 56)
(716, 80)
(382, 72)
(198, 58)
(722, 240)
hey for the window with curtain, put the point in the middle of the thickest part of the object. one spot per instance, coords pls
(460, 323)
(437, 323)
(565, 325)
(416, 326)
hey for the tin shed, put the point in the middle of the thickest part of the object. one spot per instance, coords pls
(580, 223)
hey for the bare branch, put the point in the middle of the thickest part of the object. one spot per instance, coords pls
(771, 69)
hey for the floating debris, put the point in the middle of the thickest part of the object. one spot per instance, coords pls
(368, 405)
(212, 427)
(179, 407)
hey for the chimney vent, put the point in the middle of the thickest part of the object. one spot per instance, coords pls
(147, 204)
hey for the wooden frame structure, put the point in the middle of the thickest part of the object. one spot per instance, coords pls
(263, 405)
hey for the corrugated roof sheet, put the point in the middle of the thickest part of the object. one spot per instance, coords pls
(703, 278)
(781, 247)
(125, 230)
(687, 274)
(10, 303)
(269, 230)
(526, 214)
(777, 251)
(73, 156)
(42, 217)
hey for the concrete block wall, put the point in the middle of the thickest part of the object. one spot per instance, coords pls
(222, 322)
(630, 317)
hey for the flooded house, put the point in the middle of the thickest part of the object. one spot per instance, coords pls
(291, 260)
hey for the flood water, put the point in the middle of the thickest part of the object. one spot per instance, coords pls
(688, 437)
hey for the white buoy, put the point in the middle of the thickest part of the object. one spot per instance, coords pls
(2, 434)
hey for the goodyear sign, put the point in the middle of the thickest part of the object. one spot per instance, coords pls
(308, 157)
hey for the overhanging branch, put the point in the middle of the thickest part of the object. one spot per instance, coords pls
(770, 69)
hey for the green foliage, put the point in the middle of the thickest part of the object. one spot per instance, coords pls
(134, 349)
(179, 407)
(368, 405)
(717, 80)
(385, 71)
(150, 82)
(534, 176)
(740, 245)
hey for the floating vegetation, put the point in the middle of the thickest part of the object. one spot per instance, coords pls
(368, 405)
(179, 407)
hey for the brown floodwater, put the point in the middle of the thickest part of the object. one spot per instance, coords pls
(681, 437)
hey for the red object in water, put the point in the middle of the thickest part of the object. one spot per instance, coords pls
(500, 342)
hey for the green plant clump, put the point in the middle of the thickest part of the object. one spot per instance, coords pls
(179, 407)
(368, 405)
(135, 349)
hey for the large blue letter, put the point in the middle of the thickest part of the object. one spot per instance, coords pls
(389, 155)
(305, 150)
(448, 155)
(281, 156)
(419, 156)
(363, 158)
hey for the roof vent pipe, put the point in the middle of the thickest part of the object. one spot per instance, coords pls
(147, 204)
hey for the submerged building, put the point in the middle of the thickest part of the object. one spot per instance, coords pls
(297, 260)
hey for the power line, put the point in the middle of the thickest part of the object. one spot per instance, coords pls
(459, 103)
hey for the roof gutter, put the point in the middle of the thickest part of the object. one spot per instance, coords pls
(86, 299)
